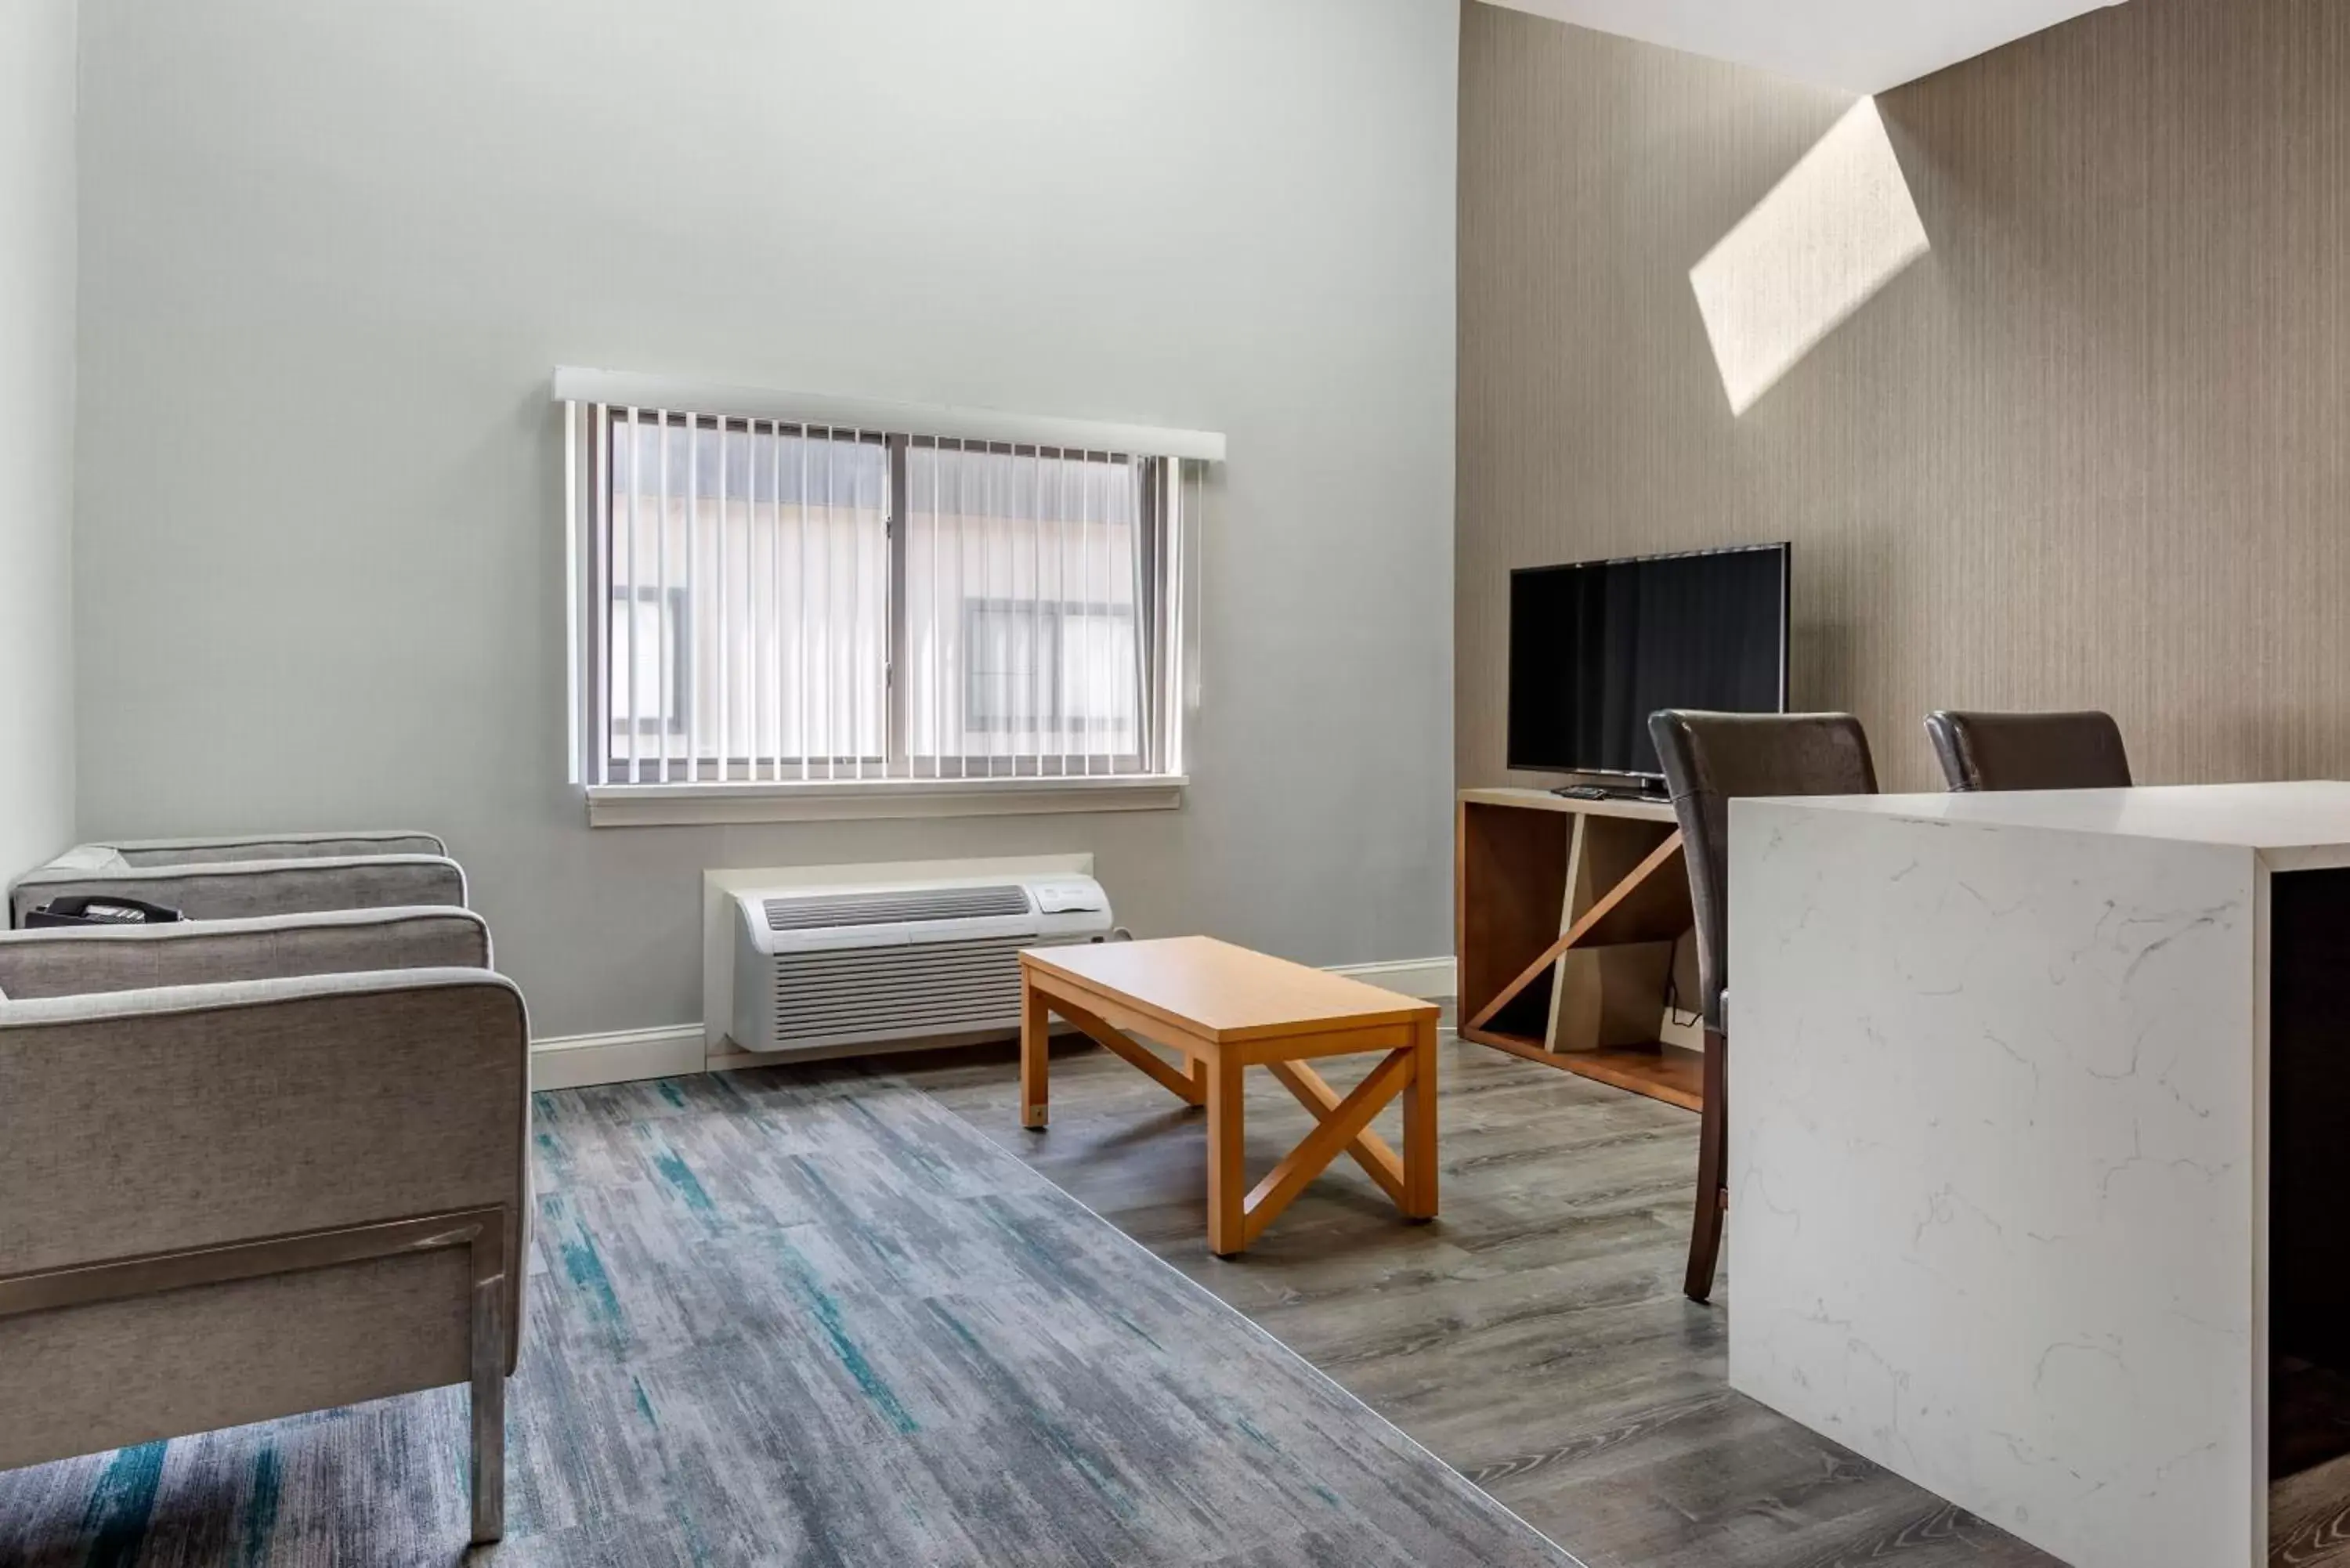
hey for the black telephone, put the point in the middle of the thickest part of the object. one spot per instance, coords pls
(99, 909)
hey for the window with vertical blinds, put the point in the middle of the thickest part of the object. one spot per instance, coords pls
(780, 602)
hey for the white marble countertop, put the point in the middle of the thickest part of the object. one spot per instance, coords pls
(1998, 1157)
(2307, 815)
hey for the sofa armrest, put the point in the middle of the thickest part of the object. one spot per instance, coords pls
(238, 890)
(274, 847)
(81, 960)
(148, 1121)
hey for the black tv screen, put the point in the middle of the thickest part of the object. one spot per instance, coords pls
(1599, 645)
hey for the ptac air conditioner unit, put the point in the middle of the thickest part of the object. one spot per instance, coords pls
(821, 968)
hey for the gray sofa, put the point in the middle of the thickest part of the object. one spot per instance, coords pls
(226, 879)
(254, 1167)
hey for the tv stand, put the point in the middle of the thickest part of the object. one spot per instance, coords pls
(1608, 792)
(1573, 926)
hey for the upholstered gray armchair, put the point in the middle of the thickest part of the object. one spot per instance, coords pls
(227, 878)
(257, 1168)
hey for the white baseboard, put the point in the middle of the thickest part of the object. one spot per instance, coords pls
(673, 1050)
(576, 1061)
(1428, 979)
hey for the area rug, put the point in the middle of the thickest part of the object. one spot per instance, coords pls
(811, 1317)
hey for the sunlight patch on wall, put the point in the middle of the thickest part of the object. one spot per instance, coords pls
(1839, 227)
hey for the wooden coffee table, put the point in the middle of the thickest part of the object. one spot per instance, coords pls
(1226, 1009)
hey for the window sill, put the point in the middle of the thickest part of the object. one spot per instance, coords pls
(849, 800)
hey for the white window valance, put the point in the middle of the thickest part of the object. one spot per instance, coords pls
(624, 389)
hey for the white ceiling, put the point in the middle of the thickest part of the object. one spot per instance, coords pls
(1859, 46)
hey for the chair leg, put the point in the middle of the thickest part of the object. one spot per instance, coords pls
(488, 1393)
(1712, 1171)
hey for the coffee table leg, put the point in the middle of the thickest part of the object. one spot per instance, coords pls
(1419, 1127)
(1227, 1168)
(1035, 1056)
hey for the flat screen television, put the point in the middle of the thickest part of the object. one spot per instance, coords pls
(1595, 647)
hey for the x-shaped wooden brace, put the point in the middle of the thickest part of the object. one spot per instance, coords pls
(1343, 1123)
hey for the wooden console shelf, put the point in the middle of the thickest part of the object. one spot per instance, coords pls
(1571, 918)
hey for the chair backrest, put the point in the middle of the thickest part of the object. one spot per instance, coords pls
(2029, 751)
(1711, 758)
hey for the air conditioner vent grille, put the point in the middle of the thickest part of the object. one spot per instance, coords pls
(912, 905)
(902, 991)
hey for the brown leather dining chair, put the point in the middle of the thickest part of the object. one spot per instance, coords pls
(1709, 759)
(2029, 751)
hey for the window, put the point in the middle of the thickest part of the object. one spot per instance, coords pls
(1027, 574)
(757, 561)
(1050, 657)
(783, 603)
(649, 627)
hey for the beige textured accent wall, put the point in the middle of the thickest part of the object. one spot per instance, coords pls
(2089, 450)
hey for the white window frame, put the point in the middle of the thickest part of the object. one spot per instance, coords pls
(1178, 463)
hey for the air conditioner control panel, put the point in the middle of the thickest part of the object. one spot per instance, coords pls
(1067, 895)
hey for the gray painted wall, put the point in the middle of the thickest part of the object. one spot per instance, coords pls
(37, 430)
(331, 253)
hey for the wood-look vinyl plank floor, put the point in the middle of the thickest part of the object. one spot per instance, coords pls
(1535, 1336)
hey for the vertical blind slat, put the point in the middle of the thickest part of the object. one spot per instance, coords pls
(1036, 696)
(768, 749)
(633, 679)
(1061, 617)
(725, 650)
(1170, 711)
(664, 637)
(1003, 545)
(602, 576)
(958, 732)
(1104, 646)
(754, 709)
(863, 668)
(800, 633)
(971, 583)
(1135, 564)
(999, 675)
(842, 637)
(824, 623)
(985, 593)
(857, 601)
(1091, 710)
(938, 691)
(1180, 646)
(776, 600)
(1074, 620)
(619, 570)
(691, 689)
(1170, 639)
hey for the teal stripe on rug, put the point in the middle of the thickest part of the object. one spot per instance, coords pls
(120, 1505)
(261, 1509)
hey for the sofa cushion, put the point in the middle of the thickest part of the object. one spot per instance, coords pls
(89, 857)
